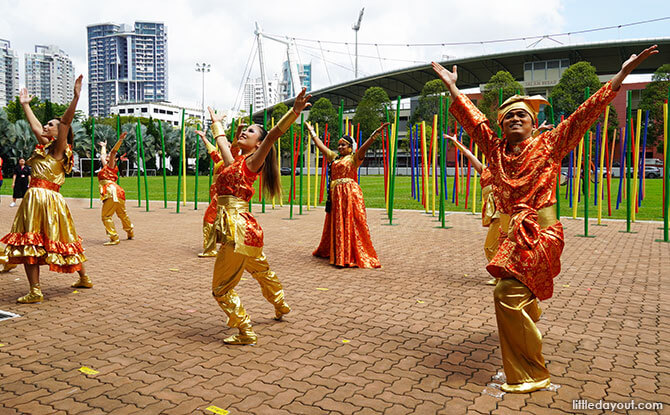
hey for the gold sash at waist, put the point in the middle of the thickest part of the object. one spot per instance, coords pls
(335, 182)
(546, 218)
(232, 202)
(105, 182)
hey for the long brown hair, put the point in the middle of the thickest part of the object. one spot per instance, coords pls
(270, 169)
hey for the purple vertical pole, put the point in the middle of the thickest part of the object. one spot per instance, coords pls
(417, 162)
(640, 193)
(411, 155)
(596, 164)
(360, 139)
(622, 167)
(570, 174)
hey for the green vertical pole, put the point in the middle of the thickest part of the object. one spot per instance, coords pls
(587, 174)
(181, 156)
(144, 164)
(160, 128)
(292, 192)
(265, 127)
(628, 158)
(666, 180)
(388, 162)
(500, 101)
(92, 160)
(197, 169)
(118, 134)
(137, 161)
(440, 138)
(301, 156)
(395, 159)
(341, 123)
(251, 112)
(560, 163)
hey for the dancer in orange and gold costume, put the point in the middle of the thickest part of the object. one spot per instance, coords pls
(240, 234)
(43, 231)
(346, 236)
(112, 195)
(208, 232)
(524, 169)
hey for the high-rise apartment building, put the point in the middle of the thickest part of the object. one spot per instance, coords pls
(304, 72)
(50, 74)
(9, 73)
(126, 64)
(253, 93)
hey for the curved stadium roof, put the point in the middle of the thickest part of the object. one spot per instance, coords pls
(473, 71)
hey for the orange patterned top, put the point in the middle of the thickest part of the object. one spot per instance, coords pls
(110, 189)
(524, 181)
(236, 180)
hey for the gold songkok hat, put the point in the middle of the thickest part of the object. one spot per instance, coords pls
(529, 104)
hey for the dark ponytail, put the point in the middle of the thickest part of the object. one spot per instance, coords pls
(270, 169)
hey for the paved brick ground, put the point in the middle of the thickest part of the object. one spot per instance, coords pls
(421, 330)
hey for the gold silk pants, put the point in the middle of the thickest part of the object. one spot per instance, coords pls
(492, 239)
(208, 239)
(109, 208)
(228, 270)
(517, 311)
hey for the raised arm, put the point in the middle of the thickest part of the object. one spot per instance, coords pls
(212, 151)
(566, 135)
(219, 135)
(360, 153)
(466, 113)
(103, 153)
(474, 160)
(65, 121)
(317, 141)
(115, 149)
(256, 160)
(35, 124)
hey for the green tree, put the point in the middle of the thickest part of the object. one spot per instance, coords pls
(322, 113)
(491, 94)
(429, 101)
(568, 94)
(653, 97)
(277, 112)
(371, 110)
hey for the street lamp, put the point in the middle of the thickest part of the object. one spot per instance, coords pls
(356, 27)
(203, 67)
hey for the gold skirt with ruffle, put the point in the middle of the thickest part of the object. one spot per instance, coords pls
(43, 233)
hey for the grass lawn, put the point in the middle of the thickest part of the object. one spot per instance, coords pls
(373, 190)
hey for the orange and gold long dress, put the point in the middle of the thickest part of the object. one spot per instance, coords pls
(241, 249)
(531, 237)
(113, 201)
(43, 231)
(346, 236)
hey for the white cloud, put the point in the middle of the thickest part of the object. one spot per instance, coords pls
(221, 33)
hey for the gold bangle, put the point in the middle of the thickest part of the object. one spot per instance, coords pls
(217, 129)
(285, 123)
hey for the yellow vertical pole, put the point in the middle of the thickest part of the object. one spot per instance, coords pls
(424, 162)
(483, 167)
(603, 140)
(575, 186)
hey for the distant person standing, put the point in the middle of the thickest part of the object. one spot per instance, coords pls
(0, 172)
(20, 180)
